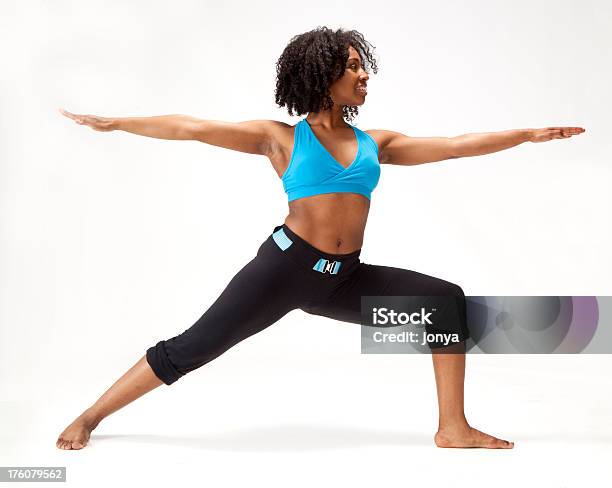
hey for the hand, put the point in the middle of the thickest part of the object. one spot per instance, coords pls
(96, 123)
(543, 135)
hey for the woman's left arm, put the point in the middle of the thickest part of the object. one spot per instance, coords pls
(490, 142)
(397, 148)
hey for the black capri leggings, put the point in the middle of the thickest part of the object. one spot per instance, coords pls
(288, 273)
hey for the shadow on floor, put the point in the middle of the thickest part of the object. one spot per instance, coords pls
(279, 438)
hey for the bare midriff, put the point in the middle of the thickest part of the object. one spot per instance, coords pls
(332, 222)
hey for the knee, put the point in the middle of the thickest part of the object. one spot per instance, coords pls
(446, 288)
(456, 291)
(160, 363)
(452, 305)
(458, 296)
(173, 358)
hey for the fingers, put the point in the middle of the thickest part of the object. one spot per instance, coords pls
(565, 132)
(571, 131)
(76, 118)
(550, 133)
(81, 119)
(66, 113)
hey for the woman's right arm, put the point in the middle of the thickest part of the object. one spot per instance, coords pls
(254, 136)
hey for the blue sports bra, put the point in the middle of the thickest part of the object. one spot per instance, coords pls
(312, 170)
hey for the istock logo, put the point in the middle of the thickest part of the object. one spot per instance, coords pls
(384, 316)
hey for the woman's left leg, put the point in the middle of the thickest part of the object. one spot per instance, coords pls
(449, 361)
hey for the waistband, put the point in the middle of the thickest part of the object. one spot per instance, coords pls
(319, 262)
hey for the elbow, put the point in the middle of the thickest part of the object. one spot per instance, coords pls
(196, 130)
(456, 148)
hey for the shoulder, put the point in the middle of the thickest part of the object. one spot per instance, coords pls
(276, 128)
(382, 139)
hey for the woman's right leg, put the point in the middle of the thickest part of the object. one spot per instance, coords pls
(262, 292)
(137, 381)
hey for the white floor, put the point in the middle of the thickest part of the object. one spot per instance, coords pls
(307, 419)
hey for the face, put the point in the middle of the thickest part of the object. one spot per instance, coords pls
(350, 89)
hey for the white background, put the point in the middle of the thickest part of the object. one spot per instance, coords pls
(110, 242)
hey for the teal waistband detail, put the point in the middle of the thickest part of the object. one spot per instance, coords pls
(326, 266)
(281, 239)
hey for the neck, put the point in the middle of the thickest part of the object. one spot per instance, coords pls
(329, 119)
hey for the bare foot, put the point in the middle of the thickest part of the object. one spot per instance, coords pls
(76, 435)
(469, 437)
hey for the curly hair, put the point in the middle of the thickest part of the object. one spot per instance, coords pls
(311, 62)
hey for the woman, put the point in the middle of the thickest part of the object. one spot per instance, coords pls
(328, 169)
